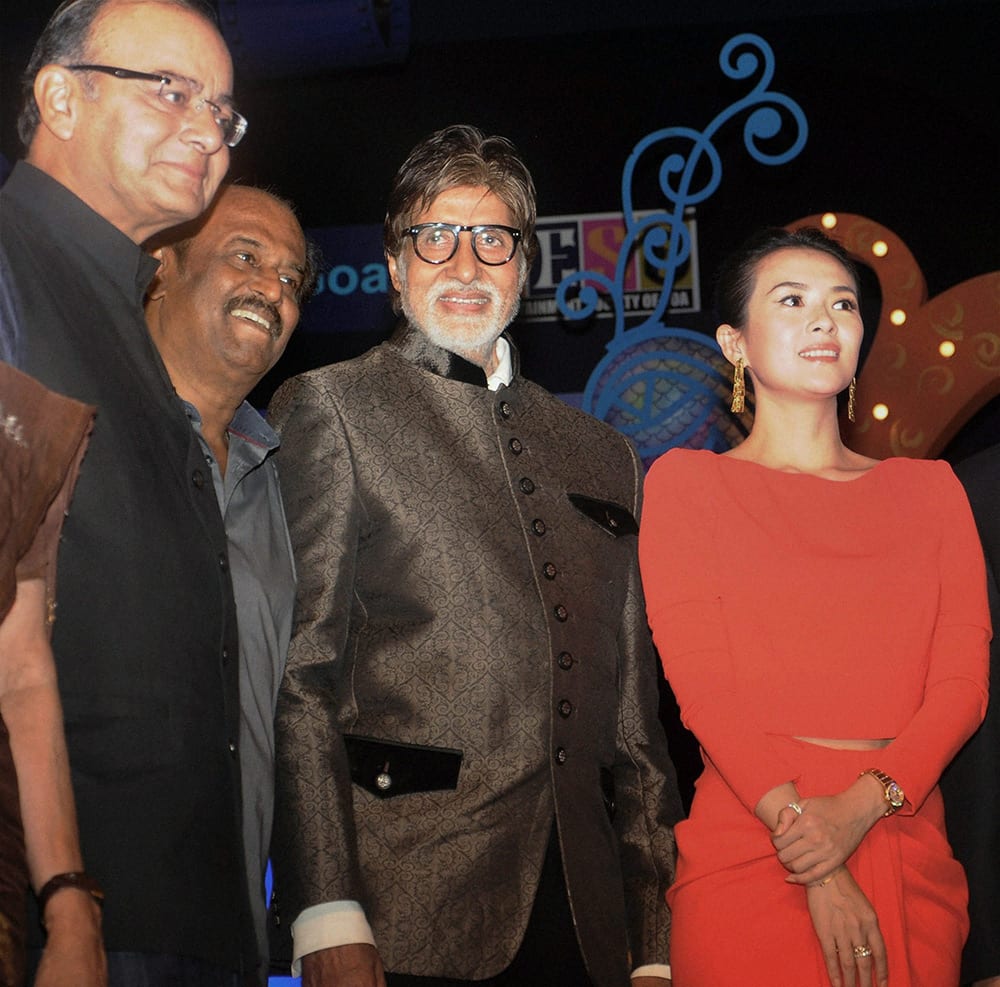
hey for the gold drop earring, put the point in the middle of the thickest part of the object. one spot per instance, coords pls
(850, 398)
(739, 388)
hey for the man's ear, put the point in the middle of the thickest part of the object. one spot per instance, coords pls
(158, 286)
(58, 93)
(393, 267)
(730, 340)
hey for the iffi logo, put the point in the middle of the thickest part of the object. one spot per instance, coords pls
(592, 242)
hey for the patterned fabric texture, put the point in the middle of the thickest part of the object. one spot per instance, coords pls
(453, 596)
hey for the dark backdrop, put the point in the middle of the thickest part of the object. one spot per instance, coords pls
(900, 97)
(901, 105)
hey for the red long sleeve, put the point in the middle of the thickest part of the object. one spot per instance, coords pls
(784, 604)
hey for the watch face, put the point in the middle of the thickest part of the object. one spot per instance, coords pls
(895, 795)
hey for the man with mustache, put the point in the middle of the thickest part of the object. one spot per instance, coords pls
(221, 309)
(472, 782)
(128, 119)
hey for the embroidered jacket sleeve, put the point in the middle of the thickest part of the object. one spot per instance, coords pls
(315, 853)
(648, 804)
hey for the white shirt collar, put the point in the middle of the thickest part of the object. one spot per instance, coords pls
(504, 370)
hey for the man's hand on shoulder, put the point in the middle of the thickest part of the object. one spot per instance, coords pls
(355, 965)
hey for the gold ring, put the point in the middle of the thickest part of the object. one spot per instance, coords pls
(862, 951)
(796, 807)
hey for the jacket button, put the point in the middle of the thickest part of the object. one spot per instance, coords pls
(198, 479)
(560, 611)
(565, 661)
(223, 562)
(516, 447)
(225, 656)
(232, 748)
(526, 485)
(561, 755)
(565, 708)
(538, 526)
(505, 409)
(550, 571)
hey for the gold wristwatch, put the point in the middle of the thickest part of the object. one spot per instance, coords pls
(894, 795)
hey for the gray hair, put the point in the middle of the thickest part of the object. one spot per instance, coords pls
(64, 41)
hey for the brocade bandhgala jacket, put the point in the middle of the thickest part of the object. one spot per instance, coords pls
(470, 661)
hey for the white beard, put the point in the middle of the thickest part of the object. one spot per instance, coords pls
(473, 336)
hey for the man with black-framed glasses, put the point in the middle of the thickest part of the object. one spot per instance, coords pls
(128, 118)
(472, 782)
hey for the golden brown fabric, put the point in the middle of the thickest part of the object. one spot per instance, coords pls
(42, 440)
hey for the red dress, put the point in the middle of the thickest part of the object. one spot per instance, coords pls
(785, 605)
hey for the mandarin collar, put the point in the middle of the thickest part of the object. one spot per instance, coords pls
(80, 231)
(415, 347)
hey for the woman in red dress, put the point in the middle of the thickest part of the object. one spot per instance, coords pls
(822, 619)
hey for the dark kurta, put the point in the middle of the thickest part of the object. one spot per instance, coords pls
(971, 785)
(145, 643)
(452, 595)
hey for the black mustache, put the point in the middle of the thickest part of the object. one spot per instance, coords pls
(257, 304)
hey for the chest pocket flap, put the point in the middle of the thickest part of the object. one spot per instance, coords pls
(613, 518)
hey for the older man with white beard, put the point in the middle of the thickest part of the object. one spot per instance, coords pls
(472, 781)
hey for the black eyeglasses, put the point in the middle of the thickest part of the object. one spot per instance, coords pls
(179, 95)
(436, 243)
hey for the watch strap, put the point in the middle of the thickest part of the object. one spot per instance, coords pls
(889, 787)
(80, 880)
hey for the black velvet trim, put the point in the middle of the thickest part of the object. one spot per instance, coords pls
(421, 352)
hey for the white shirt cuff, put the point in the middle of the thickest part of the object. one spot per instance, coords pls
(334, 923)
(653, 970)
